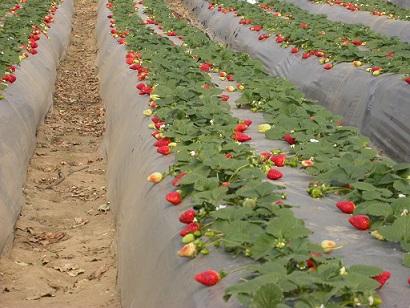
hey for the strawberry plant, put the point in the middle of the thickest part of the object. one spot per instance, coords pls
(375, 7)
(328, 40)
(235, 207)
(22, 27)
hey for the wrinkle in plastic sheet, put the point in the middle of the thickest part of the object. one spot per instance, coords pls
(321, 85)
(22, 109)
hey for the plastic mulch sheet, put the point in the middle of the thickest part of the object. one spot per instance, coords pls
(23, 108)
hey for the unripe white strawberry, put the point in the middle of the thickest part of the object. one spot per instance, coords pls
(155, 177)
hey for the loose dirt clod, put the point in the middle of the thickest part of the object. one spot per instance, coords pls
(63, 253)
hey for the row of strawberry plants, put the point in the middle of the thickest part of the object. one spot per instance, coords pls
(8, 7)
(339, 157)
(316, 35)
(208, 158)
(375, 7)
(20, 33)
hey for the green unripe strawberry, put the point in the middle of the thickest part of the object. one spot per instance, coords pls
(316, 193)
(197, 233)
(188, 238)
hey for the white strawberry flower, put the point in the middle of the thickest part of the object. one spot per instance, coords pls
(221, 206)
(402, 195)
(314, 140)
(405, 212)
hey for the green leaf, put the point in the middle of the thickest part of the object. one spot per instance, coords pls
(361, 282)
(406, 260)
(267, 296)
(232, 213)
(287, 227)
(399, 231)
(367, 270)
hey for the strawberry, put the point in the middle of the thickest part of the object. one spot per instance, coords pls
(407, 79)
(155, 177)
(229, 77)
(164, 150)
(204, 67)
(241, 137)
(174, 197)
(224, 97)
(279, 160)
(228, 155)
(304, 26)
(346, 206)
(310, 260)
(191, 228)
(306, 55)
(155, 120)
(361, 222)
(306, 163)
(188, 251)
(328, 246)
(408, 280)
(357, 42)
(289, 139)
(162, 142)
(382, 278)
(175, 181)
(328, 66)
(264, 156)
(208, 278)
(274, 174)
(246, 122)
(240, 127)
(187, 217)
(264, 127)
(294, 50)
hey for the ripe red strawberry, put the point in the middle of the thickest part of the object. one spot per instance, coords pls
(264, 156)
(224, 97)
(175, 181)
(164, 150)
(228, 155)
(279, 160)
(241, 137)
(408, 280)
(357, 42)
(346, 206)
(289, 139)
(294, 50)
(306, 55)
(188, 251)
(382, 278)
(309, 261)
(187, 217)
(240, 127)
(204, 67)
(361, 222)
(246, 122)
(162, 142)
(407, 79)
(328, 66)
(208, 278)
(191, 228)
(174, 197)
(274, 174)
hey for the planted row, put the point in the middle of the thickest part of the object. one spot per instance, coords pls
(333, 42)
(375, 7)
(245, 215)
(20, 33)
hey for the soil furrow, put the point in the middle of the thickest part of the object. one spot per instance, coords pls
(63, 254)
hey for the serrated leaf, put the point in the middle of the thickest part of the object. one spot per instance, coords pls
(406, 260)
(232, 213)
(363, 186)
(287, 227)
(367, 270)
(267, 296)
(399, 231)
(359, 282)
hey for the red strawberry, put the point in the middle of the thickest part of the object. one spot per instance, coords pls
(164, 150)
(228, 155)
(174, 197)
(191, 228)
(289, 139)
(162, 142)
(328, 66)
(208, 278)
(382, 278)
(294, 50)
(408, 280)
(357, 42)
(204, 67)
(279, 160)
(140, 86)
(346, 206)
(175, 181)
(240, 127)
(361, 222)
(241, 137)
(264, 156)
(407, 79)
(309, 261)
(187, 217)
(306, 55)
(274, 174)
(246, 122)
(155, 120)
(188, 251)
(224, 97)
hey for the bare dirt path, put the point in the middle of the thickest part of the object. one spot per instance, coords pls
(63, 254)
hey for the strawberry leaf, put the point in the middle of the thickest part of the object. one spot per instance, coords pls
(406, 260)
(399, 231)
(232, 213)
(269, 295)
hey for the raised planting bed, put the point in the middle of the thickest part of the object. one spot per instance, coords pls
(157, 72)
(26, 99)
(375, 103)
